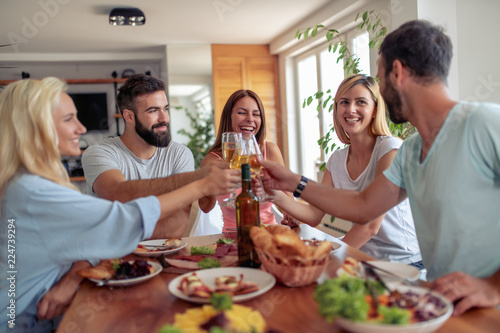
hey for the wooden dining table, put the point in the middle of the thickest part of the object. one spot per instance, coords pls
(146, 307)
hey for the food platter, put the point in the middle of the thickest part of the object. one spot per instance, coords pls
(128, 282)
(419, 327)
(158, 242)
(264, 281)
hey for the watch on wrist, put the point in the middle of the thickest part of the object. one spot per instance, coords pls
(300, 187)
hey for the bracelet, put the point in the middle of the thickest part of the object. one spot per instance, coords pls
(300, 187)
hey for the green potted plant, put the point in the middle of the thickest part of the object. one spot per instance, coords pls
(202, 136)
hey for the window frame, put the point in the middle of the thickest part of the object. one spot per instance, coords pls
(324, 124)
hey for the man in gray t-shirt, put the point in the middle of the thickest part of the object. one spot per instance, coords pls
(143, 161)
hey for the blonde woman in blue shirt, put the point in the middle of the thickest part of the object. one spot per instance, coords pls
(57, 227)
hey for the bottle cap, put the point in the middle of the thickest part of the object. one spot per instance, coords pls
(245, 171)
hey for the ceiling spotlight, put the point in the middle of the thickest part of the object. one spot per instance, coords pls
(127, 16)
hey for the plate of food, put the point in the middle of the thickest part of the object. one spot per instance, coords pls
(118, 274)
(242, 283)
(219, 316)
(397, 271)
(223, 253)
(158, 247)
(350, 302)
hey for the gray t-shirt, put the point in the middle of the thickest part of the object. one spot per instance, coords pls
(111, 153)
(396, 239)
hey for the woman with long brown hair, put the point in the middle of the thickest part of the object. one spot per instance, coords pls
(242, 113)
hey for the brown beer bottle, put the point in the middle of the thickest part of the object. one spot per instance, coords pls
(247, 216)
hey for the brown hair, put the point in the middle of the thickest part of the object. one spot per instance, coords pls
(422, 48)
(225, 118)
(137, 85)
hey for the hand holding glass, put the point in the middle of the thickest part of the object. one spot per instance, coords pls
(254, 156)
(229, 142)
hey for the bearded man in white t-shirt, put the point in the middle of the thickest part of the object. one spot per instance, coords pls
(144, 160)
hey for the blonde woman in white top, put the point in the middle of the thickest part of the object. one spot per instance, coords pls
(360, 123)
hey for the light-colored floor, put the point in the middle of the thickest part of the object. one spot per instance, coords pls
(337, 228)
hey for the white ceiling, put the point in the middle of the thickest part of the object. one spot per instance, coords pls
(81, 27)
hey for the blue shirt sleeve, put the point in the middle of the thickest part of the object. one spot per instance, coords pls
(72, 226)
(484, 131)
(394, 173)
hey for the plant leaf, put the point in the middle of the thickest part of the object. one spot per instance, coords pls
(314, 32)
(306, 33)
(309, 100)
(329, 36)
(335, 47)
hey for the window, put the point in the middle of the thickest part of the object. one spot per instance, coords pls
(318, 70)
(203, 103)
(309, 120)
(361, 49)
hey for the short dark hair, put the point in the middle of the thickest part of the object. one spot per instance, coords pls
(137, 85)
(422, 48)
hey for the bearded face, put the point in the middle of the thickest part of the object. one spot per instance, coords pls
(157, 139)
(394, 104)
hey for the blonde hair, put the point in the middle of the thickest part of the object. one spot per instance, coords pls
(28, 136)
(379, 123)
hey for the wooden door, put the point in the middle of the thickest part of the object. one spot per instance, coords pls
(248, 67)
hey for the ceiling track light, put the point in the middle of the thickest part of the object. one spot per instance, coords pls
(127, 16)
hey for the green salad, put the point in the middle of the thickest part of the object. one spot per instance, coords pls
(346, 297)
(202, 250)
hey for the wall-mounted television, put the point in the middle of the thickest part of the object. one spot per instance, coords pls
(92, 110)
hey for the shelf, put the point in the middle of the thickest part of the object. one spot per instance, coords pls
(116, 116)
(77, 179)
(77, 81)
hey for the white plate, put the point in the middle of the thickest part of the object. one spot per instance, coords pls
(158, 242)
(421, 327)
(264, 281)
(402, 270)
(128, 282)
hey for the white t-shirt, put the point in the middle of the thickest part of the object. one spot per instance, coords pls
(396, 239)
(111, 153)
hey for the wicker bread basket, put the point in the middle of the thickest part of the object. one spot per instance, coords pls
(293, 271)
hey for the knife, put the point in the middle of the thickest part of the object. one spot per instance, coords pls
(400, 278)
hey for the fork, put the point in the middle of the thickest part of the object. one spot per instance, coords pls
(156, 247)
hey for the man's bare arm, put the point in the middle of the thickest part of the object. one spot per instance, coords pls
(112, 185)
(358, 207)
